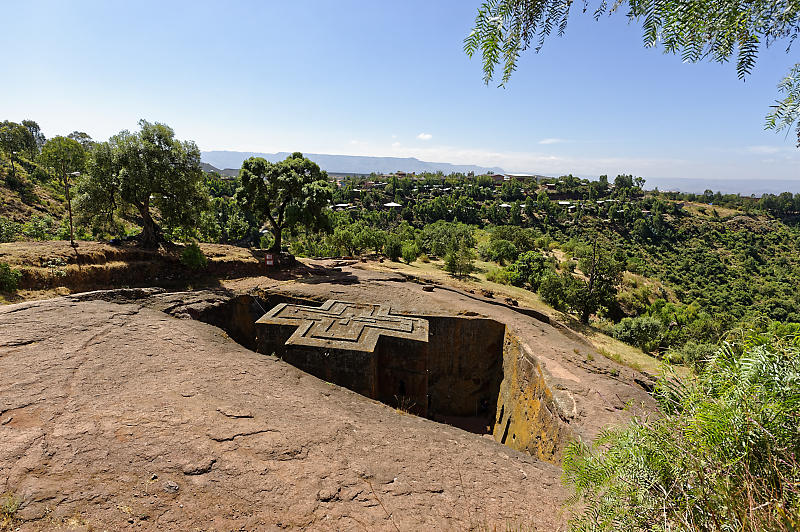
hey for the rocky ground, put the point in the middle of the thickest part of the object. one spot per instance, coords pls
(115, 415)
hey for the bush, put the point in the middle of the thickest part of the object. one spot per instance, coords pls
(410, 252)
(9, 279)
(498, 275)
(643, 332)
(553, 291)
(692, 354)
(38, 228)
(460, 262)
(393, 247)
(193, 258)
(723, 455)
(9, 229)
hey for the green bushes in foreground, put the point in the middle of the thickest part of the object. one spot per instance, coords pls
(193, 257)
(9, 278)
(725, 454)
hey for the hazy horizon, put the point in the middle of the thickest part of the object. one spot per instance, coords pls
(233, 158)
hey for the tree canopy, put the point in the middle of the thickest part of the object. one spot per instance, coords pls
(25, 138)
(147, 170)
(716, 31)
(285, 193)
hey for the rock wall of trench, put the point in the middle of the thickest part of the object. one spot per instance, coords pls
(527, 415)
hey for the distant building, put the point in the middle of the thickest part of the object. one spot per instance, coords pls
(520, 177)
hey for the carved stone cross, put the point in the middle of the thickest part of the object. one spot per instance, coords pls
(343, 325)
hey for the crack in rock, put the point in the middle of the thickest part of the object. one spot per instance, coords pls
(240, 434)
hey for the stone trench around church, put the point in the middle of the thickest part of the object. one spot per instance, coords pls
(467, 371)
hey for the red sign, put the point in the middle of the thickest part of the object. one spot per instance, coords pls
(269, 259)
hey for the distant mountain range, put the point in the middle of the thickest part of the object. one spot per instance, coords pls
(229, 162)
(745, 187)
(346, 164)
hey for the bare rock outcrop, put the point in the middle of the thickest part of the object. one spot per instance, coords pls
(117, 416)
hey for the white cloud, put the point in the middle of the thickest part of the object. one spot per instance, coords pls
(767, 150)
(396, 144)
(552, 141)
(424, 136)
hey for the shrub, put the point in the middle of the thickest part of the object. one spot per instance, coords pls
(723, 455)
(393, 247)
(38, 228)
(193, 258)
(643, 332)
(410, 252)
(553, 292)
(692, 354)
(498, 275)
(460, 262)
(9, 229)
(9, 504)
(9, 279)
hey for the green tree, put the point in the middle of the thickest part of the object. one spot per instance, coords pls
(502, 251)
(147, 170)
(460, 261)
(82, 137)
(716, 31)
(34, 140)
(68, 159)
(285, 193)
(440, 237)
(530, 269)
(393, 247)
(600, 288)
(12, 141)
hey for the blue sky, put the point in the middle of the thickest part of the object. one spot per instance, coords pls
(389, 79)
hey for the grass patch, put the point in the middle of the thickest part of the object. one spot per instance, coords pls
(9, 504)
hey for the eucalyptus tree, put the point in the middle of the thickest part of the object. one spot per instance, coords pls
(67, 158)
(697, 30)
(34, 140)
(284, 194)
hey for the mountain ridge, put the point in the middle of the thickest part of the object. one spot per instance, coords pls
(355, 164)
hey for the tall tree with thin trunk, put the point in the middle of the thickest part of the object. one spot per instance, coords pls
(67, 157)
